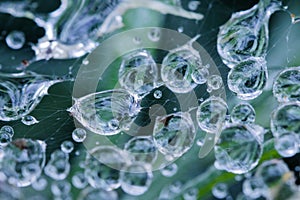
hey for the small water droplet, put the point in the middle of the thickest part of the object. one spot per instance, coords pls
(29, 120)
(154, 34)
(193, 5)
(15, 39)
(157, 94)
(169, 170)
(180, 29)
(79, 135)
(67, 146)
(220, 190)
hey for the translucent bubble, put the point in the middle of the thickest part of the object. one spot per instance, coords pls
(60, 187)
(287, 145)
(191, 194)
(239, 148)
(136, 179)
(245, 34)
(154, 34)
(40, 184)
(286, 85)
(79, 181)
(157, 94)
(243, 113)
(200, 75)
(67, 146)
(178, 67)
(214, 82)
(97, 194)
(21, 94)
(211, 114)
(58, 167)
(142, 149)
(253, 187)
(29, 120)
(102, 167)
(193, 5)
(248, 78)
(274, 173)
(95, 111)
(79, 135)
(286, 119)
(5, 138)
(174, 134)
(169, 170)
(220, 190)
(23, 161)
(138, 72)
(8, 129)
(15, 39)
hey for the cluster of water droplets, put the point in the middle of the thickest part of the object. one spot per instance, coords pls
(242, 44)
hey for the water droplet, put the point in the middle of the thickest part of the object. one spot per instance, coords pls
(287, 145)
(79, 135)
(23, 161)
(142, 149)
(67, 146)
(174, 134)
(274, 173)
(58, 167)
(113, 104)
(193, 5)
(200, 75)
(214, 82)
(40, 184)
(178, 67)
(21, 94)
(79, 181)
(138, 72)
(137, 40)
(211, 114)
(136, 179)
(248, 78)
(220, 190)
(29, 120)
(8, 129)
(285, 119)
(157, 94)
(169, 170)
(103, 165)
(253, 187)
(59, 188)
(238, 149)
(246, 33)
(154, 34)
(15, 39)
(243, 113)
(85, 61)
(286, 85)
(191, 194)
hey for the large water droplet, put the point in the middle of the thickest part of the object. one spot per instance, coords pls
(286, 119)
(246, 33)
(102, 167)
(136, 179)
(138, 72)
(287, 145)
(211, 114)
(248, 78)
(142, 149)
(242, 113)
(97, 111)
(174, 134)
(238, 149)
(287, 85)
(178, 67)
(23, 161)
(15, 39)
